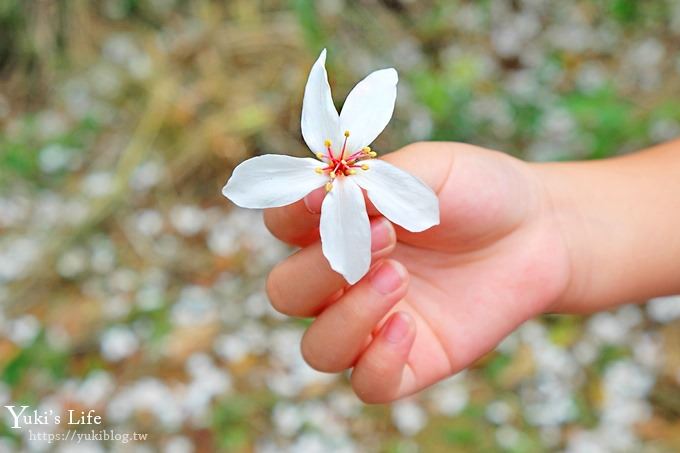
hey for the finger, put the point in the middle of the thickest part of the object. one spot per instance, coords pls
(314, 199)
(294, 224)
(336, 338)
(483, 194)
(381, 375)
(304, 283)
(298, 223)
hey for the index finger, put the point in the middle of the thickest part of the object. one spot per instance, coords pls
(298, 223)
(294, 224)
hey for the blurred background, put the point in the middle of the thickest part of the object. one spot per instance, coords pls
(129, 285)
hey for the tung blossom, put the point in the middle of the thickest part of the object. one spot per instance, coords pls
(344, 165)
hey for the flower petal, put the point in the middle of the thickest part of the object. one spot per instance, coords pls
(320, 120)
(399, 196)
(345, 230)
(368, 108)
(272, 180)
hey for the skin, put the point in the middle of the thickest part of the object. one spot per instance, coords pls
(515, 240)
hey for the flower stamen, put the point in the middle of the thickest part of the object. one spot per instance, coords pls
(344, 145)
(341, 165)
(327, 144)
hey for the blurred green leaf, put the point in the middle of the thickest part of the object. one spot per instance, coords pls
(309, 22)
(460, 436)
(37, 356)
(609, 119)
(610, 354)
(496, 365)
(625, 11)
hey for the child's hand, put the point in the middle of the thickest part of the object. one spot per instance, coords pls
(436, 301)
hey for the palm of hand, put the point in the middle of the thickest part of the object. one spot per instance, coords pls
(496, 260)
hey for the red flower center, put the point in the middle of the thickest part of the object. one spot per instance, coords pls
(340, 164)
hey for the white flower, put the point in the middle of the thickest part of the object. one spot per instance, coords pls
(344, 164)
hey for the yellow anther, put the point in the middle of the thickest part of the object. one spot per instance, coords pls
(329, 186)
(366, 149)
(320, 156)
(332, 174)
(326, 143)
(346, 133)
(364, 167)
(372, 154)
(351, 172)
(319, 170)
(343, 162)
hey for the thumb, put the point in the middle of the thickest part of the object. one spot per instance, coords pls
(483, 194)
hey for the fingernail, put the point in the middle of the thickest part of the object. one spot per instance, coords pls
(397, 328)
(386, 278)
(308, 205)
(382, 235)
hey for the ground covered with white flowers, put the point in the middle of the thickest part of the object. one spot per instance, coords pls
(130, 286)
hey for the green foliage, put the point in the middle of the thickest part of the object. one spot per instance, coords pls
(468, 432)
(464, 436)
(608, 120)
(496, 365)
(625, 11)
(17, 158)
(564, 329)
(19, 153)
(13, 39)
(610, 354)
(232, 420)
(309, 23)
(587, 415)
(39, 356)
(447, 96)
(7, 433)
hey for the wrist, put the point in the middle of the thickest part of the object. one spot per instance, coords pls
(617, 219)
(563, 208)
